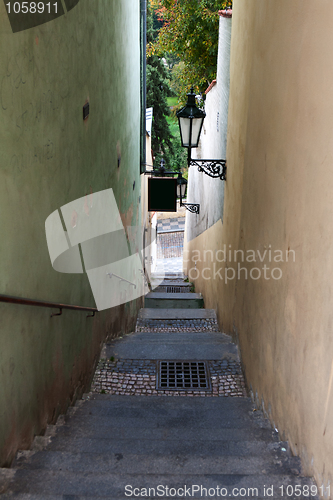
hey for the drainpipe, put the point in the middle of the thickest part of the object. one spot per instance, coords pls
(143, 36)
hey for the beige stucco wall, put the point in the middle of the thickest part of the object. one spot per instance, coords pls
(278, 197)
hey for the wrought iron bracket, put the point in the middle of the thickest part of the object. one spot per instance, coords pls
(213, 168)
(57, 314)
(194, 208)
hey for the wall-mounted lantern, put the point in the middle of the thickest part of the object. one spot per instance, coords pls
(190, 119)
(181, 193)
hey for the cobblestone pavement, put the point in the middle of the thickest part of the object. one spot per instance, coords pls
(138, 378)
(177, 325)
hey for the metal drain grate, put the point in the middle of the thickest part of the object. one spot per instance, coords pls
(183, 375)
(172, 289)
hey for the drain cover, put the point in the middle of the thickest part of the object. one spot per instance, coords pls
(173, 289)
(183, 375)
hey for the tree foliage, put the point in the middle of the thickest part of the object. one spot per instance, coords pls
(157, 93)
(164, 144)
(190, 31)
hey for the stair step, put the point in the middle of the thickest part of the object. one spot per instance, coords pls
(194, 420)
(171, 460)
(201, 424)
(94, 484)
(167, 447)
(171, 289)
(167, 276)
(197, 413)
(175, 337)
(171, 286)
(176, 313)
(101, 429)
(40, 442)
(146, 349)
(210, 450)
(192, 425)
(107, 443)
(164, 404)
(6, 476)
(179, 283)
(174, 300)
(181, 296)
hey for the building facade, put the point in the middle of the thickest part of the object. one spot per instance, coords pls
(49, 156)
(207, 191)
(267, 269)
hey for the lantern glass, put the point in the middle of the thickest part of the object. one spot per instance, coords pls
(196, 129)
(190, 129)
(185, 127)
(181, 187)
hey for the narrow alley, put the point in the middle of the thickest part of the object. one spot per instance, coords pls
(168, 415)
(198, 363)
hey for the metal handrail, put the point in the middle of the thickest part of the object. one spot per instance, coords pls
(120, 278)
(42, 303)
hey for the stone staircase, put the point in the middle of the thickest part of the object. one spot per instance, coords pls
(158, 300)
(127, 438)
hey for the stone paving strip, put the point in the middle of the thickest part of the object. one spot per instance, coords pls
(176, 325)
(138, 378)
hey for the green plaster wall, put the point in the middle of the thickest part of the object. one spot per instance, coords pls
(48, 157)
